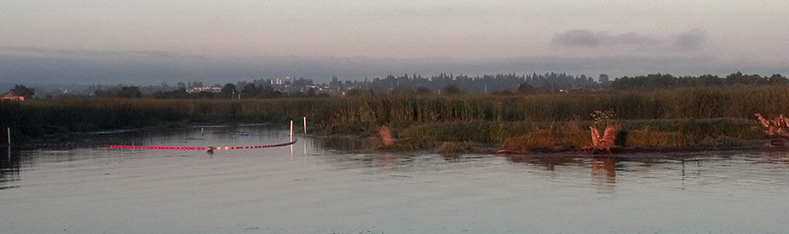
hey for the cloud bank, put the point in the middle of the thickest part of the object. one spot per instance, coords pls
(692, 40)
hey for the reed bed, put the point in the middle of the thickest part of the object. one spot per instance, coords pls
(499, 117)
(575, 135)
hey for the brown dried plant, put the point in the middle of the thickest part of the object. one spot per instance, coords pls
(386, 135)
(778, 126)
(607, 141)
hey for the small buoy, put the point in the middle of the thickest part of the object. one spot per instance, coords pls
(210, 149)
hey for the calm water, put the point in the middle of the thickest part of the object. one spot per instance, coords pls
(318, 186)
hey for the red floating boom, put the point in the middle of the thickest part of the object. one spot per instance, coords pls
(210, 148)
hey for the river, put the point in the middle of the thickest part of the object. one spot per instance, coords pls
(323, 185)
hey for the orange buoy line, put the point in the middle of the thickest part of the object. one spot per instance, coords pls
(209, 148)
(154, 147)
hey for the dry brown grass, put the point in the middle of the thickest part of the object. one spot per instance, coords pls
(555, 136)
(455, 147)
(645, 137)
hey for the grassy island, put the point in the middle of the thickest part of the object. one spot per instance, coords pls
(671, 118)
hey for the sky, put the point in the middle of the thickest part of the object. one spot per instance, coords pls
(153, 41)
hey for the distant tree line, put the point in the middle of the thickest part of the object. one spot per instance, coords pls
(415, 84)
(445, 84)
(499, 83)
(667, 81)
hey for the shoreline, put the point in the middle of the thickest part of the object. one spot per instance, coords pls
(439, 143)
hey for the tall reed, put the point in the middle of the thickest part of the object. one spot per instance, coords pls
(368, 112)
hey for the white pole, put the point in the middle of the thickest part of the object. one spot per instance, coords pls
(9, 144)
(291, 140)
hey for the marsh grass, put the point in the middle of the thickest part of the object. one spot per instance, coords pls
(722, 132)
(717, 132)
(700, 114)
(457, 147)
(566, 135)
(646, 137)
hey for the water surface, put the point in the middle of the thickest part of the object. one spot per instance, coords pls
(320, 186)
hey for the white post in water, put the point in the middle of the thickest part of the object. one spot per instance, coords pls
(291, 140)
(305, 124)
(9, 144)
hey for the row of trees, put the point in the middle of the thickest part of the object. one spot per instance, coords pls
(251, 90)
(227, 91)
(449, 84)
(666, 81)
(549, 82)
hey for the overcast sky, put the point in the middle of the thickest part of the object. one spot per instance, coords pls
(176, 39)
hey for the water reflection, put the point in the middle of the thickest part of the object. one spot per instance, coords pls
(382, 160)
(604, 166)
(9, 168)
(347, 144)
(90, 147)
(548, 161)
(193, 136)
(604, 173)
(344, 185)
(386, 159)
(774, 157)
(451, 157)
(350, 153)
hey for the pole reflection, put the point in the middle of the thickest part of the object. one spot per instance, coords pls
(9, 168)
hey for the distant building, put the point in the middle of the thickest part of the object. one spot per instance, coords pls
(288, 80)
(12, 96)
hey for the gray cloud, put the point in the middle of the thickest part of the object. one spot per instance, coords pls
(577, 38)
(690, 40)
(588, 38)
